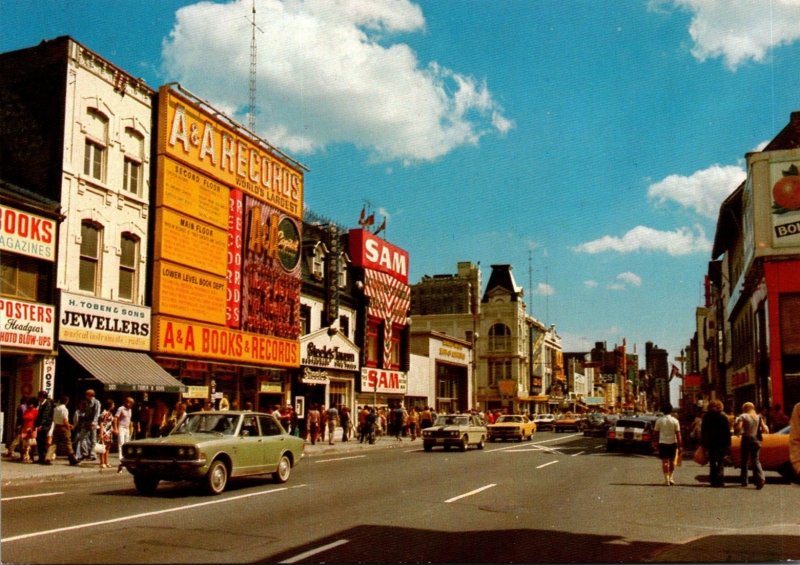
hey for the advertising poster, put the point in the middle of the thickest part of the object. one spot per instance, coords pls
(94, 321)
(27, 234)
(26, 325)
(785, 192)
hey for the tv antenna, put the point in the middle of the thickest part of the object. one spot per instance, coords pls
(251, 113)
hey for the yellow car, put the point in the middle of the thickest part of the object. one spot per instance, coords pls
(774, 455)
(516, 426)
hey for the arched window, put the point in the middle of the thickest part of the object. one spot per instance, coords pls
(134, 155)
(128, 263)
(499, 338)
(89, 270)
(94, 156)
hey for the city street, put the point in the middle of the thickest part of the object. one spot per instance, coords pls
(558, 498)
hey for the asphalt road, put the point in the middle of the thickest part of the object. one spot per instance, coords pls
(558, 498)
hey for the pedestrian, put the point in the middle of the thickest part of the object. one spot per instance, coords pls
(397, 418)
(369, 425)
(285, 416)
(62, 439)
(323, 421)
(332, 418)
(17, 441)
(44, 427)
(344, 421)
(715, 438)
(794, 440)
(313, 418)
(29, 429)
(413, 422)
(105, 434)
(123, 418)
(425, 418)
(668, 437)
(175, 419)
(158, 417)
(87, 436)
(751, 427)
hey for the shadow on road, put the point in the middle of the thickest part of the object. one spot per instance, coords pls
(378, 544)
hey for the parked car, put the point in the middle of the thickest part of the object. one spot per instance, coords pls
(210, 448)
(631, 434)
(544, 421)
(512, 426)
(595, 424)
(774, 455)
(455, 430)
(568, 422)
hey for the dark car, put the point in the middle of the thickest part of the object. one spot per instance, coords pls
(631, 434)
(595, 424)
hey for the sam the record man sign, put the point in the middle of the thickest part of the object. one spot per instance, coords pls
(227, 253)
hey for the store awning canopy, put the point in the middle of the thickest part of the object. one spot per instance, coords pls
(120, 370)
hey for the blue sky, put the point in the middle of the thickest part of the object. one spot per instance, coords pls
(587, 143)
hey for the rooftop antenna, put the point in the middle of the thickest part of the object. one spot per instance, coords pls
(251, 116)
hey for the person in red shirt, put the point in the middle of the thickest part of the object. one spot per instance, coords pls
(29, 429)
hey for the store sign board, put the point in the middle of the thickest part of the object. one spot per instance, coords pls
(185, 338)
(189, 293)
(328, 352)
(196, 195)
(383, 381)
(368, 251)
(191, 242)
(27, 234)
(26, 325)
(94, 321)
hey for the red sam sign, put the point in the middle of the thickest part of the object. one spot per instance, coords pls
(371, 252)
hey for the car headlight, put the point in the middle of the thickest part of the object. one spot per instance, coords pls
(187, 452)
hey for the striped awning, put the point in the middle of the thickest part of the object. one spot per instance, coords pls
(121, 370)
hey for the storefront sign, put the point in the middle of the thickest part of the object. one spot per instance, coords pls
(196, 195)
(318, 349)
(189, 293)
(27, 234)
(179, 337)
(270, 387)
(314, 377)
(196, 392)
(383, 381)
(204, 142)
(26, 325)
(743, 377)
(233, 295)
(93, 321)
(368, 251)
(452, 351)
(191, 242)
(48, 375)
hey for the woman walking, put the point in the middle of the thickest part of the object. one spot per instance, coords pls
(715, 437)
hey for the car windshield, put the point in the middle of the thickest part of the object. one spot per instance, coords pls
(631, 423)
(224, 424)
(452, 421)
(507, 419)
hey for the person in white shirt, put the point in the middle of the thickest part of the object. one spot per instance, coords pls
(668, 435)
(122, 426)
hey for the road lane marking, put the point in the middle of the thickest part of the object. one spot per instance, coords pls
(535, 443)
(30, 496)
(546, 464)
(142, 515)
(340, 459)
(576, 454)
(470, 493)
(300, 557)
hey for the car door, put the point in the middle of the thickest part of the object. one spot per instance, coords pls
(273, 441)
(249, 453)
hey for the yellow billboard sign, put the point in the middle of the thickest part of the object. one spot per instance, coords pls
(184, 338)
(188, 293)
(184, 189)
(188, 241)
(202, 141)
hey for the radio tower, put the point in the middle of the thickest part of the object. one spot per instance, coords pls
(251, 118)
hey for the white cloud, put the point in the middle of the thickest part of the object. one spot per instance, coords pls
(590, 284)
(331, 72)
(682, 241)
(630, 278)
(616, 286)
(702, 192)
(741, 31)
(543, 289)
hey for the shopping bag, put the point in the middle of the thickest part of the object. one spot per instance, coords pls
(99, 448)
(678, 458)
(700, 456)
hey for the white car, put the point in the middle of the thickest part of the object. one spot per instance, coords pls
(544, 421)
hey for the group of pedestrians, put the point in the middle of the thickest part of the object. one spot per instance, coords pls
(713, 433)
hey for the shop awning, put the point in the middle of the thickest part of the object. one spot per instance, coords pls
(124, 370)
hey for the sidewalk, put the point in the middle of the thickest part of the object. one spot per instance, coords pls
(15, 472)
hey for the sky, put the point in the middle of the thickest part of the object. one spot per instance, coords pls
(586, 143)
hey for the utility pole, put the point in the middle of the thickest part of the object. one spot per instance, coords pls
(251, 117)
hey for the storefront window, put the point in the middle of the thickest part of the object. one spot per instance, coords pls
(373, 344)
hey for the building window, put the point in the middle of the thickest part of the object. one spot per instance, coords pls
(499, 338)
(318, 262)
(373, 343)
(394, 360)
(344, 325)
(94, 156)
(342, 277)
(89, 272)
(305, 319)
(134, 155)
(499, 370)
(128, 260)
(19, 277)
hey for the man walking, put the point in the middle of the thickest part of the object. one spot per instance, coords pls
(62, 435)
(44, 425)
(88, 433)
(668, 436)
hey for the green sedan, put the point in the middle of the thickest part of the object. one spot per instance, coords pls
(212, 447)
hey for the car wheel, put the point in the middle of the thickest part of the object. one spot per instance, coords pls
(464, 443)
(281, 475)
(217, 477)
(427, 446)
(491, 439)
(145, 485)
(482, 443)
